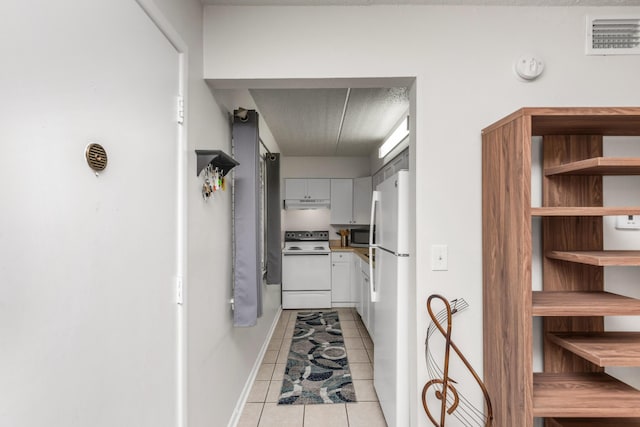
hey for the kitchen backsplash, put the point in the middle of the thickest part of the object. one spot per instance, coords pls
(313, 219)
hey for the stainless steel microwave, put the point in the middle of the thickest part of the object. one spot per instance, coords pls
(359, 237)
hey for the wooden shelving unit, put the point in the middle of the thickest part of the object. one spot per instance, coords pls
(600, 258)
(598, 211)
(573, 390)
(598, 166)
(583, 303)
(584, 394)
(602, 348)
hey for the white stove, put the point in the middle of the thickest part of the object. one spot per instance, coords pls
(306, 242)
(306, 270)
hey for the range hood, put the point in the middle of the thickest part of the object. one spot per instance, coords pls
(307, 203)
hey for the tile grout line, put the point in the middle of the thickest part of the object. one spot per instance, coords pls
(290, 340)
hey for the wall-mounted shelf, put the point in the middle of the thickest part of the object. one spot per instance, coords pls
(599, 258)
(215, 158)
(602, 348)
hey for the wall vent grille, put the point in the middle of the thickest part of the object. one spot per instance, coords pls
(96, 157)
(613, 36)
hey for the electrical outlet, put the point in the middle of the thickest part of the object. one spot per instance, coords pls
(628, 222)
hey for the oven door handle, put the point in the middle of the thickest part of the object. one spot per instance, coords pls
(307, 254)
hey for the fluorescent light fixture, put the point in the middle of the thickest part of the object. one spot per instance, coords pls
(395, 138)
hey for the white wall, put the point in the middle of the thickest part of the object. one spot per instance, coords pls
(231, 100)
(221, 358)
(88, 320)
(318, 167)
(89, 328)
(464, 82)
(324, 167)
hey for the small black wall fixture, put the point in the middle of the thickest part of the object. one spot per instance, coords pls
(216, 158)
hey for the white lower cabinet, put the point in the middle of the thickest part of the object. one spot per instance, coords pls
(361, 293)
(350, 286)
(362, 290)
(341, 277)
(346, 279)
(362, 287)
(355, 280)
(366, 306)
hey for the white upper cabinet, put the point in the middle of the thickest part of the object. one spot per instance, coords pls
(350, 200)
(307, 188)
(295, 188)
(319, 188)
(362, 193)
(341, 201)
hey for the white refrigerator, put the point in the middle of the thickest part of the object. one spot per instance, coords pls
(390, 294)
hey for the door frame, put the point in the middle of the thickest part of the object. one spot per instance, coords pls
(169, 32)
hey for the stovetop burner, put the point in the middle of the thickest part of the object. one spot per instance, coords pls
(306, 242)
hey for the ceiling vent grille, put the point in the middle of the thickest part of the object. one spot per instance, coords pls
(613, 36)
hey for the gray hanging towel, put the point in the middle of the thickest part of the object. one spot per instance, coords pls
(274, 258)
(247, 280)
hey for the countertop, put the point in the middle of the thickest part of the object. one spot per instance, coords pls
(363, 253)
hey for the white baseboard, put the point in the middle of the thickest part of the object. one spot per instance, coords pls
(343, 304)
(242, 400)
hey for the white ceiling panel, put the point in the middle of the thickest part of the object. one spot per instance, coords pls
(330, 122)
(370, 116)
(304, 122)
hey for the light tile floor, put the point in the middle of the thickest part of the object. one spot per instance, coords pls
(262, 409)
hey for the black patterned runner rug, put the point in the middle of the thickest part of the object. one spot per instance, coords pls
(317, 369)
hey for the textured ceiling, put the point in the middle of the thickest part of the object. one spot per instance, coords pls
(309, 122)
(425, 2)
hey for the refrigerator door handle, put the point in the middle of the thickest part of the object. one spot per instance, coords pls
(374, 200)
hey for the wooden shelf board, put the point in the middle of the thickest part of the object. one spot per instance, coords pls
(577, 120)
(581, 303)
(584, 211)
(602, 348)
(598, 166)
(583, 395)
(598, 258)
(595, 422)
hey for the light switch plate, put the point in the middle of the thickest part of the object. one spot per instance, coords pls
(439, 261)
